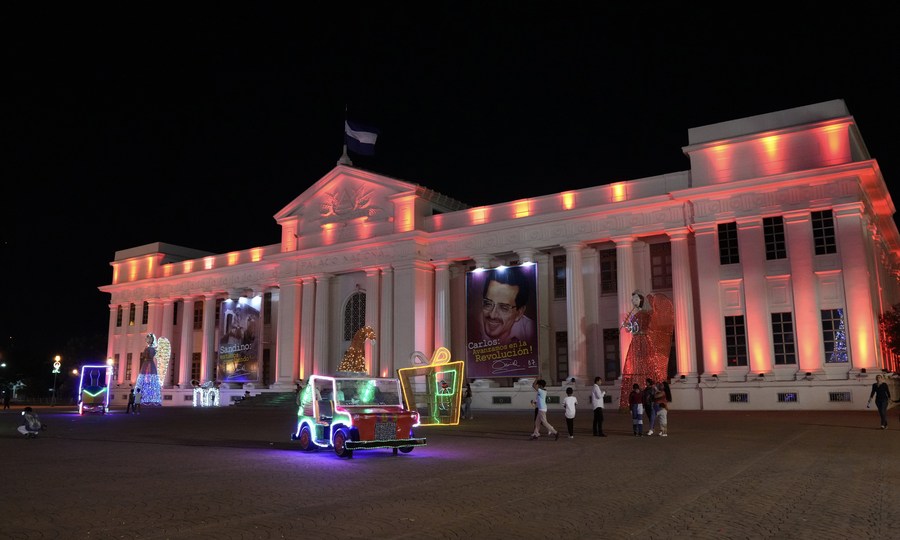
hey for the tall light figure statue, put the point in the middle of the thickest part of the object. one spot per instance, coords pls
(651, 321)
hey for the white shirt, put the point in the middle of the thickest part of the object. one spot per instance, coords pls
(597, 396)
(541, 399)
(569, 403)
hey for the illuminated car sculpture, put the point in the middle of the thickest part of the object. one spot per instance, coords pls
(356, 413)
(93, 389)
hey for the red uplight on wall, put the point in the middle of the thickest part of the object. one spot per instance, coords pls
(568, 200)
(209, 263)
(256, 254)
(167, 270)
(232, 258)
(618, 191)
(188, 266)
(115, 274)
(522, 209)
(477, 216)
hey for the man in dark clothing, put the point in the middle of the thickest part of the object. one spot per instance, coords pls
(647, 398)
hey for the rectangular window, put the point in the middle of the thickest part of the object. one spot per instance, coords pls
(267, 308)
(783, 339)
(175, 314)
(198, 315)
(218, 310)
(118, 316)
(661, 265)
(735, 341)
(834, 336)
(823, 232)
(773, 230)
(609, 276)
(611, 354)
(195, 366)
(728, 243)
(128, 367)
(562, 356)
(131, 312)
(145, 313)
(559, 276)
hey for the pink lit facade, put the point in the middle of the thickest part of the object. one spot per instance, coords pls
(777, 247)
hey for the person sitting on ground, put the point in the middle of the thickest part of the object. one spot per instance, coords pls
(31, 424)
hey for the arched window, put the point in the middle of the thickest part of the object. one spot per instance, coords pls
(354, 314)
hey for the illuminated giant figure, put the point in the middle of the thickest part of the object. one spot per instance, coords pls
(148, 378)
(650, 322)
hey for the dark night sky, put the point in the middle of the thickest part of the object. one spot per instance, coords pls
(126, 128)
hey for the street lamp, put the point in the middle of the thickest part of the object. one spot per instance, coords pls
(56, 365)
(112, 364)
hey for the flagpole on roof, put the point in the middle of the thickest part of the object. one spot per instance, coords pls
(345, 159)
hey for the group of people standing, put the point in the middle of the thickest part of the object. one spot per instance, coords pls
(653, 401)
(134, 402)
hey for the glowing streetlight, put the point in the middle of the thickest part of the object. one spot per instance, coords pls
(112, 364)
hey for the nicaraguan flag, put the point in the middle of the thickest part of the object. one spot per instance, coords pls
(360, 139)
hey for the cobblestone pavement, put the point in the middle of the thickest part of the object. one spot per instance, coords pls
(233, 473)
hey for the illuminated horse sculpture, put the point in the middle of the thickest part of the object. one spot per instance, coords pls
(354, 360)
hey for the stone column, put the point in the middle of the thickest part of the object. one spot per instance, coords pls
(711, 318)
(545, 285)
(441, 304)
(593, 335)
(625, 281)
(208, 345)
(322, 364)
(683, 302)
(186, 351)
(307, 328)
(808, 319)
(414, 307)
(373, 309)
(575, 320)
(287, 339)
(752, 250)
(261, 333)
(111, 340)
(386, 337)
(861, 320)
(154, 317)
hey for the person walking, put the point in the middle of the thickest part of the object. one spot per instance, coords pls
(136, 408)
(467, 402)
(130, 407)
(597, 397)
(636, 402)
(570, 404)
(540, 403)
(7, 395)
(647, 402)
(882, 395)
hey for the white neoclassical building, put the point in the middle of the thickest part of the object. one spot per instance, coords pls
(777, 248)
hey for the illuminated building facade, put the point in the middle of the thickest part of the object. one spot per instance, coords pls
(777, 248)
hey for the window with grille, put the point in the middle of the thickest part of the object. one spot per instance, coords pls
(118, 316)
(611, 354)
(145, 313)
(562, 356)
(128, 368)
(354, 314)
(728, 243)
(175, 314)
(773, 230)
(267, 308)
(218, 310)
(195, 366)
(834, 336)
(823, 232)
(783, 339)
(609, 276)
(661, 265)
(735, 341)
(131, 311)
(198, 315)
(559, 276)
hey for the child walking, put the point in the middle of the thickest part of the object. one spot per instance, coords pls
(662, 416)
(636, 401)
(569, 405)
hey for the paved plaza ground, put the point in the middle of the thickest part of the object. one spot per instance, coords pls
(234, 473)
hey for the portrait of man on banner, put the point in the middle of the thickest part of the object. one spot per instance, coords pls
(239, 341)
(502, 322)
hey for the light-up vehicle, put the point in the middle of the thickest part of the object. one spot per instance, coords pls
(93, 389)
(349, 414)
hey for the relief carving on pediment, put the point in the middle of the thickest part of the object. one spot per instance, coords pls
(349, 203)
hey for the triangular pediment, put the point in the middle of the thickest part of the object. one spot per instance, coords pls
(342, 196)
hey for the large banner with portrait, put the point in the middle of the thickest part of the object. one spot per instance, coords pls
(239, 341)
(502, 322)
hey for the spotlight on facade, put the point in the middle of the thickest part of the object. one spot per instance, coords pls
(761, 376)
(808, 376)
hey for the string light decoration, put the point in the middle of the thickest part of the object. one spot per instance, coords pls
(148, 378)
(436, 387)
(354, 360)
(163, 355)
(839, 354)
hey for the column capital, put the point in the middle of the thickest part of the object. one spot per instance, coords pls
(848, 209)
(623, 241)
(573, 247)
(681, 233)
(526, 255)
(482, 261)
(749, 222)
(708, 227)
